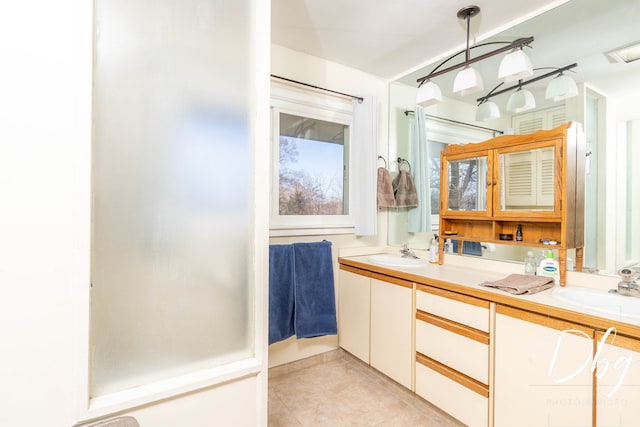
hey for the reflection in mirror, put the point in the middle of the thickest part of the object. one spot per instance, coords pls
(606, 107)
(527, 180)
(467, 183)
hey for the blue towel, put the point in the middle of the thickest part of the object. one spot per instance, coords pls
(281, 293)
(315, 304)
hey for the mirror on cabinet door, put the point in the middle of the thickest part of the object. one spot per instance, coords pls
(467, 184)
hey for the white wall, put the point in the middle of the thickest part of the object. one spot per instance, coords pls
(319, 72)
(45, 129)
(45, 189)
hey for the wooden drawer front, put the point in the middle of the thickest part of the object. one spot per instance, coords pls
(466, 310)
(469, 356)
(460, 402)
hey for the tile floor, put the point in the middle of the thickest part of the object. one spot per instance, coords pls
(337, 389)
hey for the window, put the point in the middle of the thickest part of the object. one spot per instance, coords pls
(311, 173)
(310, 163)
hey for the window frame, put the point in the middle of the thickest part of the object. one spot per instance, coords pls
(315, 105)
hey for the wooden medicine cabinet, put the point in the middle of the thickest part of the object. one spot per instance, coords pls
(535, 181)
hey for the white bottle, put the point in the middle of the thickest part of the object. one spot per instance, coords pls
(433, 250)
(530, 264)
(549, 267)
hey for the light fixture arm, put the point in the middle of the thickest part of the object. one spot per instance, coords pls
(525, 41)
(526, 82)
(490, 94)
(468, 13)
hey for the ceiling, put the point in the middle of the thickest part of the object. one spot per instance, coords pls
(404, 39)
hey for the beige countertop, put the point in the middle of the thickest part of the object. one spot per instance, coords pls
(465, 275)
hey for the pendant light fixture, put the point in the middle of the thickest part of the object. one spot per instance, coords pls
(562, 87)
(515, 66)
(468, 79)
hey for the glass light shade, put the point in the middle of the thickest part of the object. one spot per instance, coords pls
(428, 94)
(487, 110)
(562, 87)
(520, 101)
(516, 65)
(468, 81)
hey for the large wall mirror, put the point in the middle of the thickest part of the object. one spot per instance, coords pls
(586, 32)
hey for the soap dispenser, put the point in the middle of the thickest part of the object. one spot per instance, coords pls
(549, 267)
(433, 250)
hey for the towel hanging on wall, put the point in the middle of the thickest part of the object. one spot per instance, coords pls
(315, 303)
(301, 291)
(281, 292)
(404, 190)
(386, 198)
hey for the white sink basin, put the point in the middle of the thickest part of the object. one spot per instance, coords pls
(396, 261)
(599, 300)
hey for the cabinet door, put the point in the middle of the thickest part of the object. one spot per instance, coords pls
(543, 371)
(391, 334)
(465, 181)
(528, 179)
(617, 380)
(353, 314)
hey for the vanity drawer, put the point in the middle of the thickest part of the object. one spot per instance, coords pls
(459, 308)
(436, 337)
(469, 406)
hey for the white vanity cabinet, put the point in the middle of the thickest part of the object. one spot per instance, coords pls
(354, 295)
(391, 333)
(375, 321)
(543, 374)
(452, 343)
(617, 380)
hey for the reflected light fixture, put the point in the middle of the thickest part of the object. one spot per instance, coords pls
(561, 87)
(627, 53)
(468, 79)
(428, 94)
(487, 110)
(520, 101)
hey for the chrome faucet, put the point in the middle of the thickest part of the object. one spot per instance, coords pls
(628, 285)
(407, 253)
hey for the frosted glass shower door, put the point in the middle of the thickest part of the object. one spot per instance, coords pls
(171, 191)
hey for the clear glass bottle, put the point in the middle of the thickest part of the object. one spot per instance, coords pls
(530, 264)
